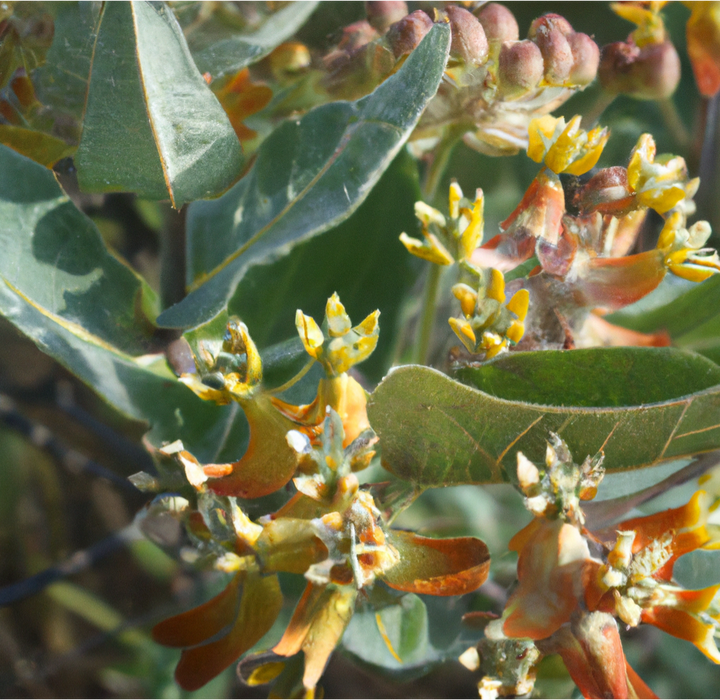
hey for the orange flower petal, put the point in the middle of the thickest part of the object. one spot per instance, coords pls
(195, 626)
(299, 624)
(441, 567)
(548, 568)
(268, 463)
(259, 607)
(686, 626)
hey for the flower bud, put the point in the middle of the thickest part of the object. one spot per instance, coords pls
(607, 192)
(406, 34)
(556, 52)
(382, 13)
(520, 67)
(586, 57)
(499, 23)
(550, 21)
(356, 35)
(650, 73)
(468, 36)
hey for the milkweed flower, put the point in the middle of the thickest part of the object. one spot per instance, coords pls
(565, 147)
(489, 325)
(574, 584)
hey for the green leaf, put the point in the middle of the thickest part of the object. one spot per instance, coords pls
(691, 318)
(404, 630)
(152, 125)
(61, 83)
(698, 569)
(219, 49)
(310, 175)
(361, 259)
(61, 287)
(42, 148)
(53, 255)
(437, 432)
(594, 377)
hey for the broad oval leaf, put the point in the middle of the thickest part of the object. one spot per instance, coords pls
(435, 431)
(310, 174)
(219, 49)
(152, 125)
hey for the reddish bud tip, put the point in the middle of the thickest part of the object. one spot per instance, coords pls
(382, 13)
(520, 67)
(468, 36)
(499, 23)
(586, 57)
(650, 73)
(406, 34)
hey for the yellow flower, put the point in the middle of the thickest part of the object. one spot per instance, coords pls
(683, 250)
(658, 182)
(489, 325)
(341, 346)
(646, 15)
(447, 241)
(565, 148)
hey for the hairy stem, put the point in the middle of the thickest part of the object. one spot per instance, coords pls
(427, 319)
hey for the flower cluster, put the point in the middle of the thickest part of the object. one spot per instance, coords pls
(573, 584)
(496, 83)
(331, 530)
(583, 256)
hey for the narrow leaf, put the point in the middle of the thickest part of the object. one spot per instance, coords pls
(152, 125)
(310, 175)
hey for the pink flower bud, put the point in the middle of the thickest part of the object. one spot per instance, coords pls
(650, 73)
(406, 34)
(499, 23)
(550, 21)
(356, 35)
(556, 52)
(468, 36)
(586, 57)
(520, 67)
(382, 13)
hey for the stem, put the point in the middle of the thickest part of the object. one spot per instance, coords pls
(673, 122)
(440, 160)
(603, 101)
(427, 320)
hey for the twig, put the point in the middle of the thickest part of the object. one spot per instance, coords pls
(81, 560)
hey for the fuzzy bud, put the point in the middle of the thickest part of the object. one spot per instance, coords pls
(606, 192)
(556, 52)
(547, 22)
(356, 35)
(468, 36)
(586, 57)
(406, 34)
(650, 73)
(499, 23)
(382, 13)
(520, 67)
